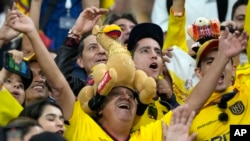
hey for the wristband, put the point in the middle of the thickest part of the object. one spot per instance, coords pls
(73, 40)
(73, 35)
(177, 14)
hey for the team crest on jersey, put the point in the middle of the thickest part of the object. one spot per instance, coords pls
(237, 108)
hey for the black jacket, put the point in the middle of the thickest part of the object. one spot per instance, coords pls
(66, 60)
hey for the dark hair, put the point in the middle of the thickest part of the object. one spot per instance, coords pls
(22, 124)
(46, 83)
(153, 31)
(236, 5)
(199, 63)
(48, 136)
(112, 17)
(35, 110)
(106, 100)
(81, 45)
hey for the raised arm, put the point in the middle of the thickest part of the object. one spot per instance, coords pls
(35, 9)
(66, 56)
(230, 45)
(176, 34)
(60, 88)
(7, 33)
(178, 129)
(89, 3)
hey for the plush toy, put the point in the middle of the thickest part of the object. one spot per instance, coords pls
(203, 30)
(119, 71)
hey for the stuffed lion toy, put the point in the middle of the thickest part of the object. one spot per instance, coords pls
(119, 71)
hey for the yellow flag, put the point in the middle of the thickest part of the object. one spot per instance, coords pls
(10, 108)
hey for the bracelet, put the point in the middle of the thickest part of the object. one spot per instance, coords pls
(177, 14)
(73, 35)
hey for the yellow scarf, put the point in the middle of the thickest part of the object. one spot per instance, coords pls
(216, 96)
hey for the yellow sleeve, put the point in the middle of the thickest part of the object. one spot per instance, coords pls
(152, 131)
(82, 127)
(107, 3)
(167, 117)
(176, 34)
(247, 28)
(10, 107)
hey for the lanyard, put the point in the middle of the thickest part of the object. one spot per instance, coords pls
(68, 5)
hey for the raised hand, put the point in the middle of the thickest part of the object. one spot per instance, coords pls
(231, 24)
(178, 5)
(6, 32)
(87, 19)
(20, 22)
(16, 55)
(164, 88)
(167, 54)
(178, 129)
(231, 45)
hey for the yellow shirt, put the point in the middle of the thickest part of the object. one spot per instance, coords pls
(147, 118)
(9, 107)
(242, 71)
(83, 128)
(176, 34)
(206, 123)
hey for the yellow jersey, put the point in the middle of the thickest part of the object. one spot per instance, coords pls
(176, 36)
(155, 108)
(206, 123)
(83, 128)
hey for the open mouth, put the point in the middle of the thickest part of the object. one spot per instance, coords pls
(124, 106)
(153, 66)
(221, 79)
(38, 87)
(101, 61)
(60, 132)
(15, 94)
